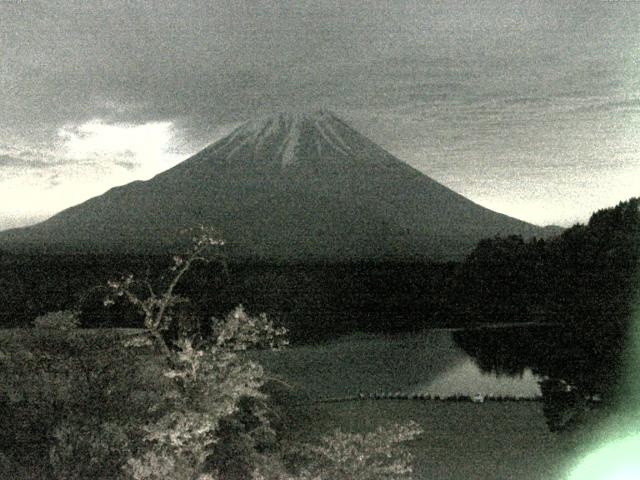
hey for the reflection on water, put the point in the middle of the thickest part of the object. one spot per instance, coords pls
(466, 378)
(428, 362)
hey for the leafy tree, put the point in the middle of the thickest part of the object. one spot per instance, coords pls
(211, 378)
(502, 280)
(218, 425)
(210, 382)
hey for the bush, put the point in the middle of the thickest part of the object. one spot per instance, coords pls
(377, 455)
(89, 450)
(62, 320)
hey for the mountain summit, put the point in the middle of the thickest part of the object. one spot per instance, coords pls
(292, 186)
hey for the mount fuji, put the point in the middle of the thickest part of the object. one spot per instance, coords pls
(288, 187)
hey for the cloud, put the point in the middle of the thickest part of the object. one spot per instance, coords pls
(146, 146)
(206, 63)
(19, 163)
(85, 160)
(54, 180)
(129, 165)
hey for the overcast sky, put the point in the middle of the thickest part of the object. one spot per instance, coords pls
(529, 108)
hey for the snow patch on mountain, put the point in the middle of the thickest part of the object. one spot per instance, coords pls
(329, 134)
(287, 131)
(291, 142)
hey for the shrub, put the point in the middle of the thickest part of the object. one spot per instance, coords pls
(63, 320)
(89, 450)
(377, 455)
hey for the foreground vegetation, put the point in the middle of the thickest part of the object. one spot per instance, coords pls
(185, 407)
(460, 439)
(494, 440)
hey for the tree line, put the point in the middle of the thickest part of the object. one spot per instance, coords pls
(584, 283)
(315, 301)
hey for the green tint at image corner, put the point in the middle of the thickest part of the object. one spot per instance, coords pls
(620, 459)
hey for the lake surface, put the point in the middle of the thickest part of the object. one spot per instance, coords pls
(423, 363)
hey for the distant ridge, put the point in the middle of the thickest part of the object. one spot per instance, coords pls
(288, 187)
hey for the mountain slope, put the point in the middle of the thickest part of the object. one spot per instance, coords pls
(286, 187)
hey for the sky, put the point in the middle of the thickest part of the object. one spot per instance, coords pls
(528, 108)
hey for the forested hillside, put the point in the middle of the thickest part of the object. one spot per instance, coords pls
(584, 283)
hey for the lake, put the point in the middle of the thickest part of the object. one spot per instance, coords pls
(428, 362)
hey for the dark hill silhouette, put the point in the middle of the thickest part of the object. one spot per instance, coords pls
(285, 187)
